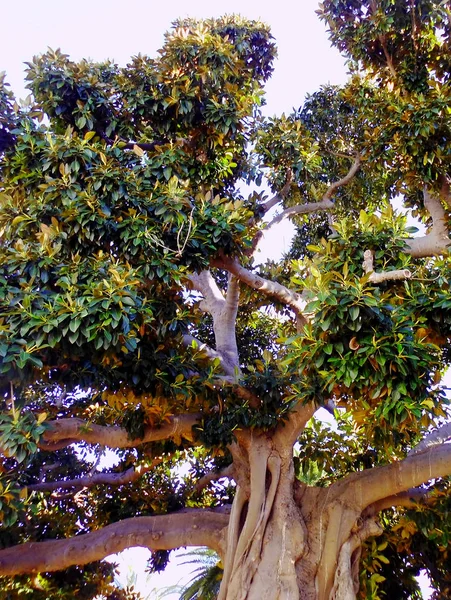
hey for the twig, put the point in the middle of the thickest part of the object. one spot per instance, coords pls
(214, 476)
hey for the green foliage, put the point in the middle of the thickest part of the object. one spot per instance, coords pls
(367, 346)
(118, 183)
(20, 432)
(415, 35)
(268, 403)
(206, 577)
(93, 580)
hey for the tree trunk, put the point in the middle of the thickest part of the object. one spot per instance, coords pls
(287, 541)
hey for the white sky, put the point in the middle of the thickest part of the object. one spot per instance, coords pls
(101, 29)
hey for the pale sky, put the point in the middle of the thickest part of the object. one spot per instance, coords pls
(101, 29)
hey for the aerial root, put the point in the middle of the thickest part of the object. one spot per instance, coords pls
(232, 538)
(250, 541)
(346, 582)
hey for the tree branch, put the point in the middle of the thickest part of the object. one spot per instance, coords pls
(147, 146)
(241, 391)
(344, 180)
(188, 341)
(437, 241)
(214, 476)
(163, 532)
(224, 312)
(88, 481)
(409, 499)
(383, 42)
(300, 209)
(388, 57)
(325, 204)
(288, 432)
(224, 326)
(205, 284)
(379, 277)
(266, 207)
(268, 288)
(439, 436)
(63, 432)
(373, 485)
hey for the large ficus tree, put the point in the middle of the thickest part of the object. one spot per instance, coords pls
(135, 317)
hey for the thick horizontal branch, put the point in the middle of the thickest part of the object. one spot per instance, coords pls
(162, 532)
(373, 485)
(63, 432)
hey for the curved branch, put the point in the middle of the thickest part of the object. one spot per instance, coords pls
(88, 481)
(63, 432)
(301, 209)
(214, 476)
(409, 499)
(288, 432)
(373, 485)
(437, 241)
(162, 532)
(268, 288)
(266, 206)
(325, 204)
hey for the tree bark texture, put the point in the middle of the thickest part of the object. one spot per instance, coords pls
(288, 541)
(281, 540)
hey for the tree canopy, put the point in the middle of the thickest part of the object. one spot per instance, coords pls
(137, 324)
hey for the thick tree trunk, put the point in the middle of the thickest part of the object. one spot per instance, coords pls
(287, 541)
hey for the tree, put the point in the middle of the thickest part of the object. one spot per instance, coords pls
(135, 317)
(206, 576)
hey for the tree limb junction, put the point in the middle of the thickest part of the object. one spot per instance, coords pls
(325, 204)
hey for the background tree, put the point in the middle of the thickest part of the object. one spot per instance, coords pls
(134, 317)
